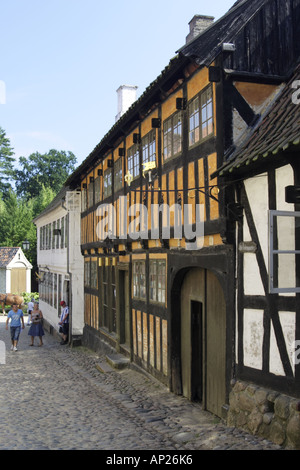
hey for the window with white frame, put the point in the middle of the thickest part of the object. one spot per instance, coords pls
(133, 161)
(200, 112)
(149, 147)
(118, 174)
(284, 252)
(157, 281)
(172, 135)
(139, 279)
(107, 183)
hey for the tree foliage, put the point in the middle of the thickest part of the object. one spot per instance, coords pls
(49, 170)
(6, 163)
(37, 180)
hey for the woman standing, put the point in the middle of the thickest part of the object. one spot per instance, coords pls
(36, 328)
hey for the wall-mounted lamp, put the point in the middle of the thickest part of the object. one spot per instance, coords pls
(26, 245)
(136, 138)
(228, 47)
(181, 103)
(100, 172)
(156, 123)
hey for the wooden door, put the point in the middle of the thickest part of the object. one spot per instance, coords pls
(215, 345)
(203, 333)
(18, 280)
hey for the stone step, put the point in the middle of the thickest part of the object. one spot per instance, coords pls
(118, 361)
(104, 367)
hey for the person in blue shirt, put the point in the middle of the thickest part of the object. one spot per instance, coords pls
(17, 319)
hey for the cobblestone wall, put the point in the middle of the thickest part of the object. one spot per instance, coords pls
(265, 413)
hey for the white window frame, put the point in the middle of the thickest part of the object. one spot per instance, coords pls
(272, 215)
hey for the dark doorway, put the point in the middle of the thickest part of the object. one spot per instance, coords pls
(197, 354)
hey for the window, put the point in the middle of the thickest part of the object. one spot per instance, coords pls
(62, 235)
(94, 274)
(87, 273)
(53, 237)
(57, 236)
(105, 286)
(133, 161)
(149, 148)
(139, 279)
(118, 174)
(200, 117)
(83, 200)
(107, 180)
(91, 194)
(97, 189)
(284, 254)
(173, 135)
(157, 280)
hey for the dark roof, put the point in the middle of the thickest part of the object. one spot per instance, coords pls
(249, 24)
(264, 33)
(278, 131)
(7, 254)
(207, 45)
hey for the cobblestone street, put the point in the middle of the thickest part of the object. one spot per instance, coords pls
(55, 397)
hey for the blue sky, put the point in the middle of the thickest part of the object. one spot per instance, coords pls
(63, 60)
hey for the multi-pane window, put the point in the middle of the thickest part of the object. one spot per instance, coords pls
(62, 235)
(94, 274)
(200, 116)
(139, 279)
(97, 189)
(149, 147)
(157, 281)
(118, 174)
(173, 135)
(133, 161)
(83, 200)
(91, 194)
(105, 286)
(57, 236)
(87, 273)
(107, 180)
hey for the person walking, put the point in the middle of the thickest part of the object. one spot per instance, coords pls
(29, 310)
(17, 320)
(64, 322)
(36, 328)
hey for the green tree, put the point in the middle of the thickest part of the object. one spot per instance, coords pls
(6, 163)
(49, 170)
(16, 221)
(40, 202)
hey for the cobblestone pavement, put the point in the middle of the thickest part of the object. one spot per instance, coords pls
(54, 397)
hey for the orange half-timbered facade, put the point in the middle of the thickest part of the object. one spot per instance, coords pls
(157, 228)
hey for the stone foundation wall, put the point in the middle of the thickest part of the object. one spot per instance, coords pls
(265, 413)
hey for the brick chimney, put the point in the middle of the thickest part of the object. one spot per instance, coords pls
(198, 24)
(126, 97)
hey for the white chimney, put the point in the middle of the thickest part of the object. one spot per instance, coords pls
(126, 97)
(198, 24)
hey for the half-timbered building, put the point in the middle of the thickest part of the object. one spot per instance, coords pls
(265, 172)
(156, 235)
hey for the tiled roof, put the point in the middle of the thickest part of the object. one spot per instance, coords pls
(278, 131)
(7, 254)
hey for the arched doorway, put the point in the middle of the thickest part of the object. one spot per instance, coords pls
(202, 339)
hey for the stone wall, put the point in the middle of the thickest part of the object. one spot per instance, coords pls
(265, 413)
